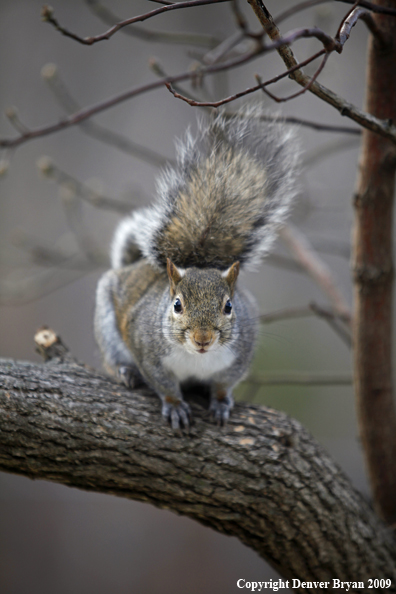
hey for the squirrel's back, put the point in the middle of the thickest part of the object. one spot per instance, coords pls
(222, 202)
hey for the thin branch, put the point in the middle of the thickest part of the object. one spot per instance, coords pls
(34, 286)
(162, 2)
(294, 95)
(13, 117)
(194, 102)
(332, 317)
(158, 70)
(47, 15)
(314, 125)
(343, 331)
(279, 261)
(217, 53)
(51, 171)
(74, 217)
(303, 252)
(111, 19)
(50, 74)
(328, 149)
(282, 16)
(55, 257)
(352, 18)
(385, 128)
(333, 247)
(309, 3)
(88, 112)
(302, 312)
(241, 21)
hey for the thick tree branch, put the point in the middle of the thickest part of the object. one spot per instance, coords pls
(263, 478)
(373, 276)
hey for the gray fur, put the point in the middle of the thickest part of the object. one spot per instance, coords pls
(238, 215)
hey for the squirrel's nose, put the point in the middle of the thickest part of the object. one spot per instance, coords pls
(202, 338)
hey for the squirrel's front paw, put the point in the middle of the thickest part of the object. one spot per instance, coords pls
(220, 409)
(177, 413)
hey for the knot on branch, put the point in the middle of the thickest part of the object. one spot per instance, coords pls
(50, 346)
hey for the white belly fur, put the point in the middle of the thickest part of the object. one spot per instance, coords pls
(200, 366)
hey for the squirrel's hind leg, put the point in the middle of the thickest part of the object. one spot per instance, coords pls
(117, 358)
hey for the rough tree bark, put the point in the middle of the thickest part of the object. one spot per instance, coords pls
(263, 479)
(373, 276)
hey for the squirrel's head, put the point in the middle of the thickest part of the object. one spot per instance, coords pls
(201, 314)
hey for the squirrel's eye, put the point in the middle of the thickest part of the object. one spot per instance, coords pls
(228, 307)
(177, 306)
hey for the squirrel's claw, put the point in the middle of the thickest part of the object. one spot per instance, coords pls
(220, 410)
(178, 415)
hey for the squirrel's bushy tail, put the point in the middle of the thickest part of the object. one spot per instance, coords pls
(222, 202)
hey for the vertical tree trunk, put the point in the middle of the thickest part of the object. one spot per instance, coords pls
(373, 276)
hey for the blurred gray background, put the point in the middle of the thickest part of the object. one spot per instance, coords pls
(57, 540)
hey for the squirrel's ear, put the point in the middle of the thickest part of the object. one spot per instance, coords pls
(175, 275)
(231, 275)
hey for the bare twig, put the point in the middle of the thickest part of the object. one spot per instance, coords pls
(261, 85)
(55, 257)
(241, 21)
(319, 153)
(302, 312)
(352, 18)
(50, 170)
(320, 127)
(303, 252)
(111, 19)
(279, 261)
(33, 286)
(217, 53)
(294, 95)
(50, 74)
(47, 15)
(334, 247)
(86, 113)
(332, 317)
(309, 3)
(13, 118)
(344, 107)
(282, 16)
(343, 331)
(158, 70)
(71, 205)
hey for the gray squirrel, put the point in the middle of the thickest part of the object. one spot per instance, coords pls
(170, 310)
